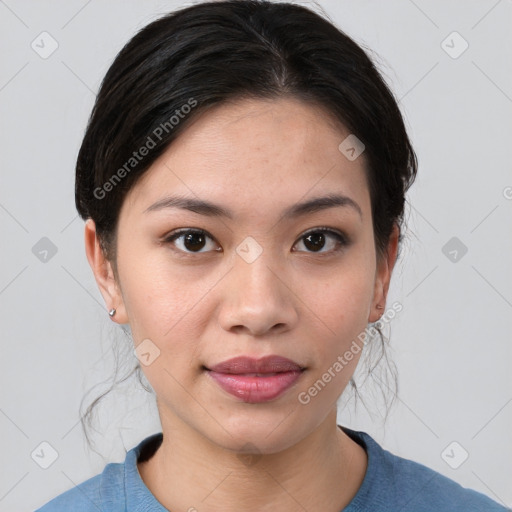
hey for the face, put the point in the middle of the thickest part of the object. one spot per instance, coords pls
(251, 276)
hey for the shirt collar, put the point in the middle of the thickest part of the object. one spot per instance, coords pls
(140, 498)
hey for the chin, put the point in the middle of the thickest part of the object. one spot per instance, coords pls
(265, 434)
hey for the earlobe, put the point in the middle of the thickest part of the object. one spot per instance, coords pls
(103, 274)
(383, 277)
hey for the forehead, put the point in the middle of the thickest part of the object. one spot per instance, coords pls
(252, 153)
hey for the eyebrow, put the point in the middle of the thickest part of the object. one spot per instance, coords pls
(213, 210)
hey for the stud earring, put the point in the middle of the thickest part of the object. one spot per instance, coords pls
(112, 312)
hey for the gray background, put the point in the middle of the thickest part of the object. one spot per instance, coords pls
(451, 342)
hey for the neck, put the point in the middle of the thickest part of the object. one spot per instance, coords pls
(321, 472)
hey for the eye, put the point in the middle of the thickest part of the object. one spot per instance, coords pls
(317, 239)
(190, 240)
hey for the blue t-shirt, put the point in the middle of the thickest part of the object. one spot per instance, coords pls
(390, 484)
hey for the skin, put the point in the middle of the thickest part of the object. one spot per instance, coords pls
(256, 158)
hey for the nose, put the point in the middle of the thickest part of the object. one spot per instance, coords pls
(257, 299)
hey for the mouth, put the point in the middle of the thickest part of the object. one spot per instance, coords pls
(256, 380)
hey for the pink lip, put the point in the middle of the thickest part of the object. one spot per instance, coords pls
(237, 377)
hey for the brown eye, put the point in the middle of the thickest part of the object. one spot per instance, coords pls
(315, 241)
(190, 240)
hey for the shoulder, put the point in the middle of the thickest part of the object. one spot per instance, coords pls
(418, 487)
(93, 494)
(393, 483)
(118, 488)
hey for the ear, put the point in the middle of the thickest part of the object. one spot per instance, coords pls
(383, 276)
(104, 274)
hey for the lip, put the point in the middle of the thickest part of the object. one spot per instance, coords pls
(256, 380)
(267, 364)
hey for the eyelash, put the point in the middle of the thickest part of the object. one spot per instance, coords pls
(342, 240)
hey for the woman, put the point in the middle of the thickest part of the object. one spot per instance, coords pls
(243, 179)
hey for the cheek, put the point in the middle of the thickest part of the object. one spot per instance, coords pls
(156, 294)
(169, 306)
(343, 300)
(166, 309)
(342, 311)
(342, 304)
